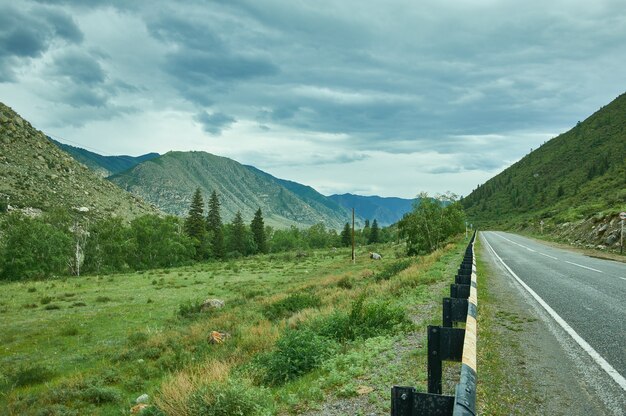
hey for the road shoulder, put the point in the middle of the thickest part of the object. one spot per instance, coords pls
(526, 363)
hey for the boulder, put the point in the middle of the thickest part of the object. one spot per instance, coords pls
(142, 399)
(212, 304)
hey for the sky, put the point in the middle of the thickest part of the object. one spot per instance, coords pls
(389, 97)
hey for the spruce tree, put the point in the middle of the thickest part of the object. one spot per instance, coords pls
(258, 232)
(374, 233)
(195, 226)
(214, 226)
(238, 235)
(346, 235)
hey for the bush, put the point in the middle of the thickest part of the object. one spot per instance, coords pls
(392, 269)
(363, 321)
(345, 283)
(298, 351)
(100, 395)
(30, 374)
(291, 304)
(190, 309)
(230, 398)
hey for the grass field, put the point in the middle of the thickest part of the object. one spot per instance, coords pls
(301, 330)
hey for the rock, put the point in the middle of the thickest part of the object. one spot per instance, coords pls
(216, 337)
(602, 228)
(137, 409)
(142, 399)
(611, 239)
(212, 304)
(375, 256)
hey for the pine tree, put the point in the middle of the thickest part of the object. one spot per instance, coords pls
(214, 226)
(258, 232)
(346, 235)
(374, 233)
(194, 223)
(238, 235)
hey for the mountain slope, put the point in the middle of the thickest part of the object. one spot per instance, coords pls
(385, 210)
(35, 173)
(104, 165)
(169, 182)
(576, 175)
(316, 200)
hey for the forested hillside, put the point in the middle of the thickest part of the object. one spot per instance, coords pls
(104, 165)
(578, 174)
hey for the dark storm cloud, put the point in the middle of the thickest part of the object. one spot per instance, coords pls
(471, 80)
(28, 34)
(214, 123)
(79, 67)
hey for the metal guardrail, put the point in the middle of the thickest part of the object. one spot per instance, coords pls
(447, 343)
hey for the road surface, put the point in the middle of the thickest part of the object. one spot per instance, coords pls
(585, 298)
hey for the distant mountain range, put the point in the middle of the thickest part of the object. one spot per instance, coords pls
(577, 175)
(169, 181)
(385, 210)
(37, 174)
(104, 165)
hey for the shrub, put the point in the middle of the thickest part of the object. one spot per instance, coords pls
(230, 398)
(30, 374)
(298, 351)
(345, 283)
(69, 331)
(392, 269)
(291, 304)
(100, 395)
(190, 309)
(363, 321)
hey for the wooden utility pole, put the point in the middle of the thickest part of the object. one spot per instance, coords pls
(353, 255)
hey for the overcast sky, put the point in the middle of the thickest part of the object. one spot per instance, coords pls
(387, 97)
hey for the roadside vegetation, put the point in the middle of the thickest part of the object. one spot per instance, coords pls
(255, 334)
(295, 330)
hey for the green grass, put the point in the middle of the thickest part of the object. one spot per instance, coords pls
(114, 338)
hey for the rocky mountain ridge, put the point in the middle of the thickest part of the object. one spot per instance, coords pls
(36, 175)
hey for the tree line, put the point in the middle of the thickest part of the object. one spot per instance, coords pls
(60, 242)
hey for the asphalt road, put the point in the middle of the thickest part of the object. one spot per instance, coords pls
(588, 294)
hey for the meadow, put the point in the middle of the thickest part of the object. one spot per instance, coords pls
(300, 330)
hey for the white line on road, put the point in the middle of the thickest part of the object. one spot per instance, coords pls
(617, 377)
(547, 255)
(584, 267)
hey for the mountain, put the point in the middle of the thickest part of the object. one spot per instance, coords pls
(576, 175)
(170, 180)
(316, 200)
(104, 165)
(37, 174)
(386, 211)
